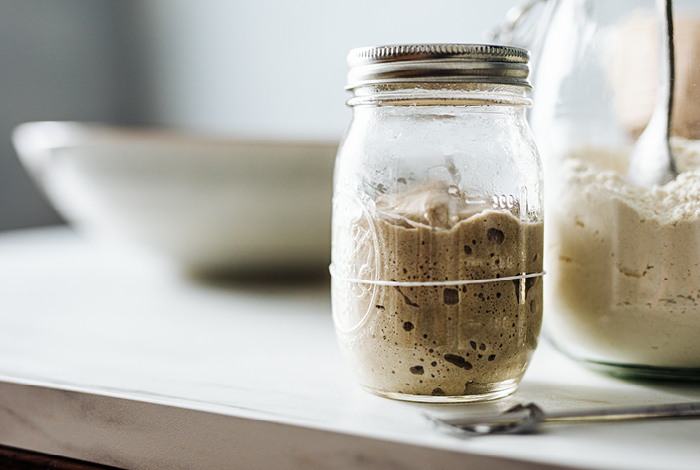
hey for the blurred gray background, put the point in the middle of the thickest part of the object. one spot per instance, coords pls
(268, 68)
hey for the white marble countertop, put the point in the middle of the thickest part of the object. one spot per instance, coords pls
(109, 356)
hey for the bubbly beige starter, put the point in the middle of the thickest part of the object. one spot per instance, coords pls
(624, 262)
(453, 340)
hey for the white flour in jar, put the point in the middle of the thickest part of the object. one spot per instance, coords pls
(624, 261)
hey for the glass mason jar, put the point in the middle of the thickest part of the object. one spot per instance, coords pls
(438, 223)
(623, 261)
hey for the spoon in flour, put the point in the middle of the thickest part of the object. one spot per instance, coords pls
(651, 161)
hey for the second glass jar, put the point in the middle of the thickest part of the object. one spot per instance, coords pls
(438, 223)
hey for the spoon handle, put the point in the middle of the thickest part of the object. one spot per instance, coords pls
(667, 68)
(672, 410)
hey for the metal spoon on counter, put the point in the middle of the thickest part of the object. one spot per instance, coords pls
(523, 419)
(651, 161)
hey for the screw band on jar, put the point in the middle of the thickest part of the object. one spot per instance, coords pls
(454, 63)
(435, 283)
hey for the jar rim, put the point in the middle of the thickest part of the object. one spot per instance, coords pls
(438, 63)
(439, 94)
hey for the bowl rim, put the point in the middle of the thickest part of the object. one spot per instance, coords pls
(47, 135)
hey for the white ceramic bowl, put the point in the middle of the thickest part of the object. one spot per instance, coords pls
(212, 205)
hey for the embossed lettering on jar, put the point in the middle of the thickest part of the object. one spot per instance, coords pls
(437, 223)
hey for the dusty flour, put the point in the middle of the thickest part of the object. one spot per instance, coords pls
(469, 339)
(624, 262)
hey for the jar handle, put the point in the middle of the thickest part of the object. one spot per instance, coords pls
(523, 24)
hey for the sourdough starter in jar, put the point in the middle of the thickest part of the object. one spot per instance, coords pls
(440, 340)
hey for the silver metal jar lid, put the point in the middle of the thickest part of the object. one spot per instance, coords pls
(447, 63)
